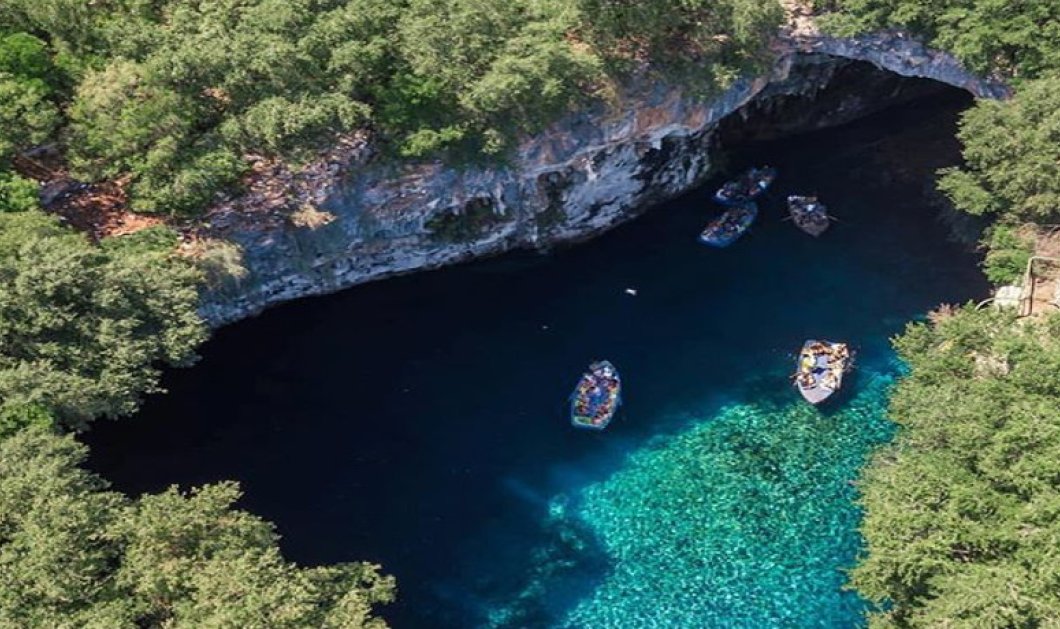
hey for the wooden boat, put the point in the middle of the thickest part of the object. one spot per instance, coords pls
(746, 187)
(820, 369)
(809, 214)
(727, 228)
(596, 397)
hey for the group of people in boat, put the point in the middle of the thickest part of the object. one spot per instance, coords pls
(819, 375)
(596, 396)
(598, 393)
(812, 373)
(809, 214)
(748, 186)
(738, 196)
(729, 225)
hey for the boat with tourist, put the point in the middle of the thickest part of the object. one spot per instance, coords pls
(727, 228)
(596, 397)
(747, 186)
(820, 369)
(809, 214)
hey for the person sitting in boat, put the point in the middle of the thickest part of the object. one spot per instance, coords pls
(805, 380)
(829, 380)
(837, 355)
(806, 363)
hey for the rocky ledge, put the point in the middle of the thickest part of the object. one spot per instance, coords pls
(348, 219)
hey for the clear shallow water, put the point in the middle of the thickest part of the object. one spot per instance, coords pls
(420, 422)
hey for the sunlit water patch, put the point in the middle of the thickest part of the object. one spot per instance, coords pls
(745, 519)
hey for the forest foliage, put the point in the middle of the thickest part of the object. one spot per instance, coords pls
(74, 554)
(963, 510)
(172, 95)
(1011, 151)
(83, 328)
(1013, 40)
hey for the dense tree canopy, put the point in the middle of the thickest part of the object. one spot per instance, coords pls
(1012, 155)
(75, 555)
(174, 93)
(28, 116)
(82, 327)
(962, 512)
(1013, 39)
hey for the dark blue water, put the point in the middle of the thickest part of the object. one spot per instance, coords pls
(420, 422)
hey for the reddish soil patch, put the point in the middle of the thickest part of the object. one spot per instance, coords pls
(98, 210)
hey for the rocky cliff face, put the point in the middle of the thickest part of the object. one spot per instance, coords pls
(584, 175)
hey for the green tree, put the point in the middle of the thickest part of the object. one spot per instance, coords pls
(16, 193)
(706, 42)
(82, 328)
(1013, 39)
(1008, 251)
(27, 117)
(1012, 155)
(54, 550)
(74, 26)
(961, 510)
(76, 555)
(120, 122)
(25, 56)
(280, 126)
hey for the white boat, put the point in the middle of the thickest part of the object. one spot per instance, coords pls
(820, 369)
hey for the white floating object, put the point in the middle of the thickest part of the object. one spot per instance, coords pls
(631, 291)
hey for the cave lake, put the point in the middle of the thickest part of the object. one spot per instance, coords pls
(421, 422)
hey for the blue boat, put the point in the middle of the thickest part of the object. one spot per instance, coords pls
(747, 187)
(727, 228)
(596, 397)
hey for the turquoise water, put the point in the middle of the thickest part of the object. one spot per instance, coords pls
(420, 422)
(743, 519)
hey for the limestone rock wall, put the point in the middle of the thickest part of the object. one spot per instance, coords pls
(587, 173)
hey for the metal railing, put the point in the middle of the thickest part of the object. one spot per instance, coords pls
(1026, 306)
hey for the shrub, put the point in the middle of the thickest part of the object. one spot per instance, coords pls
(17, 194)
(27, 116)
(1008, 251)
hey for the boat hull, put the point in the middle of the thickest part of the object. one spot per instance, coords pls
(746, 187)
(730, 226)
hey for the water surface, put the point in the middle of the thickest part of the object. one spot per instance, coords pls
(420, 422)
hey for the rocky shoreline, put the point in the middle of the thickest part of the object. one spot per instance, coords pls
(347, 219)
